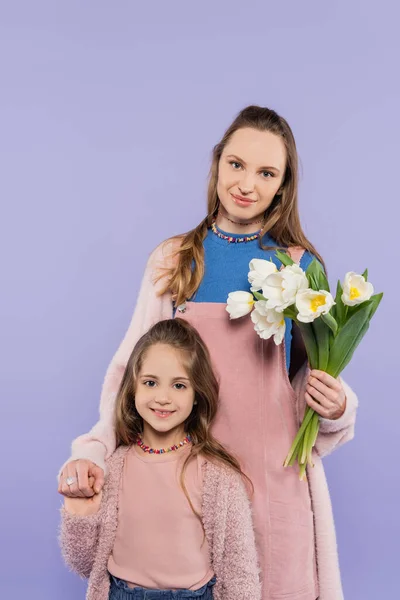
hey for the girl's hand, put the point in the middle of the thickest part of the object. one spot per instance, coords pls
(83, 507)
(80, 473)
(325, 395)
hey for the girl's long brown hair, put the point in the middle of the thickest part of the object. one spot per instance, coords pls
(178, 334)
(282, 220)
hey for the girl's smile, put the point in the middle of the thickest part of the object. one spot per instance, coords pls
(163, 414)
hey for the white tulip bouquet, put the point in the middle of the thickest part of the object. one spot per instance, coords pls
(331, 328)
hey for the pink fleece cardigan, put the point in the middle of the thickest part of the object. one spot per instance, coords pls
(87, 542)
(99, 443)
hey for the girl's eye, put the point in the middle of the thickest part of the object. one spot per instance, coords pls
(235, 164)
(149, 383)
(180, 386)
(267, 174)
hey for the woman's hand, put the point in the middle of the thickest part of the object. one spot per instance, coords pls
(84, 507)
(81, 479)
(325, 395)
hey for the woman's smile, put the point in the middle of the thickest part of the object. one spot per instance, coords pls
(242, 201)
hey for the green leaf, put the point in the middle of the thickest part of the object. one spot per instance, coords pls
(331, 322)
(316, 274)
(284, 258)
(290, 313)
(310, 343)
(313, 282)
(322, 337)
(365, 274)
(339, 308)
(348, 339)
(258, 296)
(375, 299)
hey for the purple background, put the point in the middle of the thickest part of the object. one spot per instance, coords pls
(108, 115)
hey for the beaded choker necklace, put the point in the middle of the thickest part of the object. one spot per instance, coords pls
(145, 448)
(231, 239)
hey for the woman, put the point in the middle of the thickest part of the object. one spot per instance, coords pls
(252, 209)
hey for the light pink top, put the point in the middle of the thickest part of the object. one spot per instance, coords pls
(160, 542)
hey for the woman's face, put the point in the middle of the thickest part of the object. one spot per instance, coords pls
(250, 172)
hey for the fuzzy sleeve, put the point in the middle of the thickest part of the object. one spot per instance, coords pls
(99, 443)
(78, 541)
(240, 571)
(332, 433)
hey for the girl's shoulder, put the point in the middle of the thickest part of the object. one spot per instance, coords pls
(115, 462)
(218, 475)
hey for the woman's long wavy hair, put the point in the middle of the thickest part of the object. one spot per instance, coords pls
(281, 219)
(179, 334)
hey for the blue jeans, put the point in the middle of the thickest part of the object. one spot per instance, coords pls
(119, 590)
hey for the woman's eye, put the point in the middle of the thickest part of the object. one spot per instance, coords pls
(267, 174)
(235, 164)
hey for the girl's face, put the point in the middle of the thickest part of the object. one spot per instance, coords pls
(250, 172)
(164, 396)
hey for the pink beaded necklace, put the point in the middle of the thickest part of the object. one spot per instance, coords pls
(142, 445)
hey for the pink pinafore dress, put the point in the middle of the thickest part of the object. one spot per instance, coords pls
(257, 422)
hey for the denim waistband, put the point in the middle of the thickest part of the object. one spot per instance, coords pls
(119, 590)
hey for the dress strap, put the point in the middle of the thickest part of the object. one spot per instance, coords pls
(296, 253)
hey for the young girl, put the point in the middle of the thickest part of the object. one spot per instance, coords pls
(252, 210)
(173, 520)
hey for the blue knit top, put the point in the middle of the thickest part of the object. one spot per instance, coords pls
(227, 267)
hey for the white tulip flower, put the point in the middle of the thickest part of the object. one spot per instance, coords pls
(239, 304)
(356, 289)
(259, 271)
(268, 322)
(312, 304)
(281, 288)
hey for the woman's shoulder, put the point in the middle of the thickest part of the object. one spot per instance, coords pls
(165, 251)
(301, 256)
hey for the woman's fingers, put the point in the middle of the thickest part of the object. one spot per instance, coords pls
(319, 396)
(81, 479)
(321, 410)
(326, 379)
(74, 480)
(97, 474)
(320, 386)
(82, 471)
(70, 485)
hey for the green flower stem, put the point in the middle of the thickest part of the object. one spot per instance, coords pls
(306, 438)
(307, 418)
(302, 471)
(315, 428)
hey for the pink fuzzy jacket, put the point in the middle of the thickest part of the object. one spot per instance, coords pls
(87, 542)
(99, 443)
